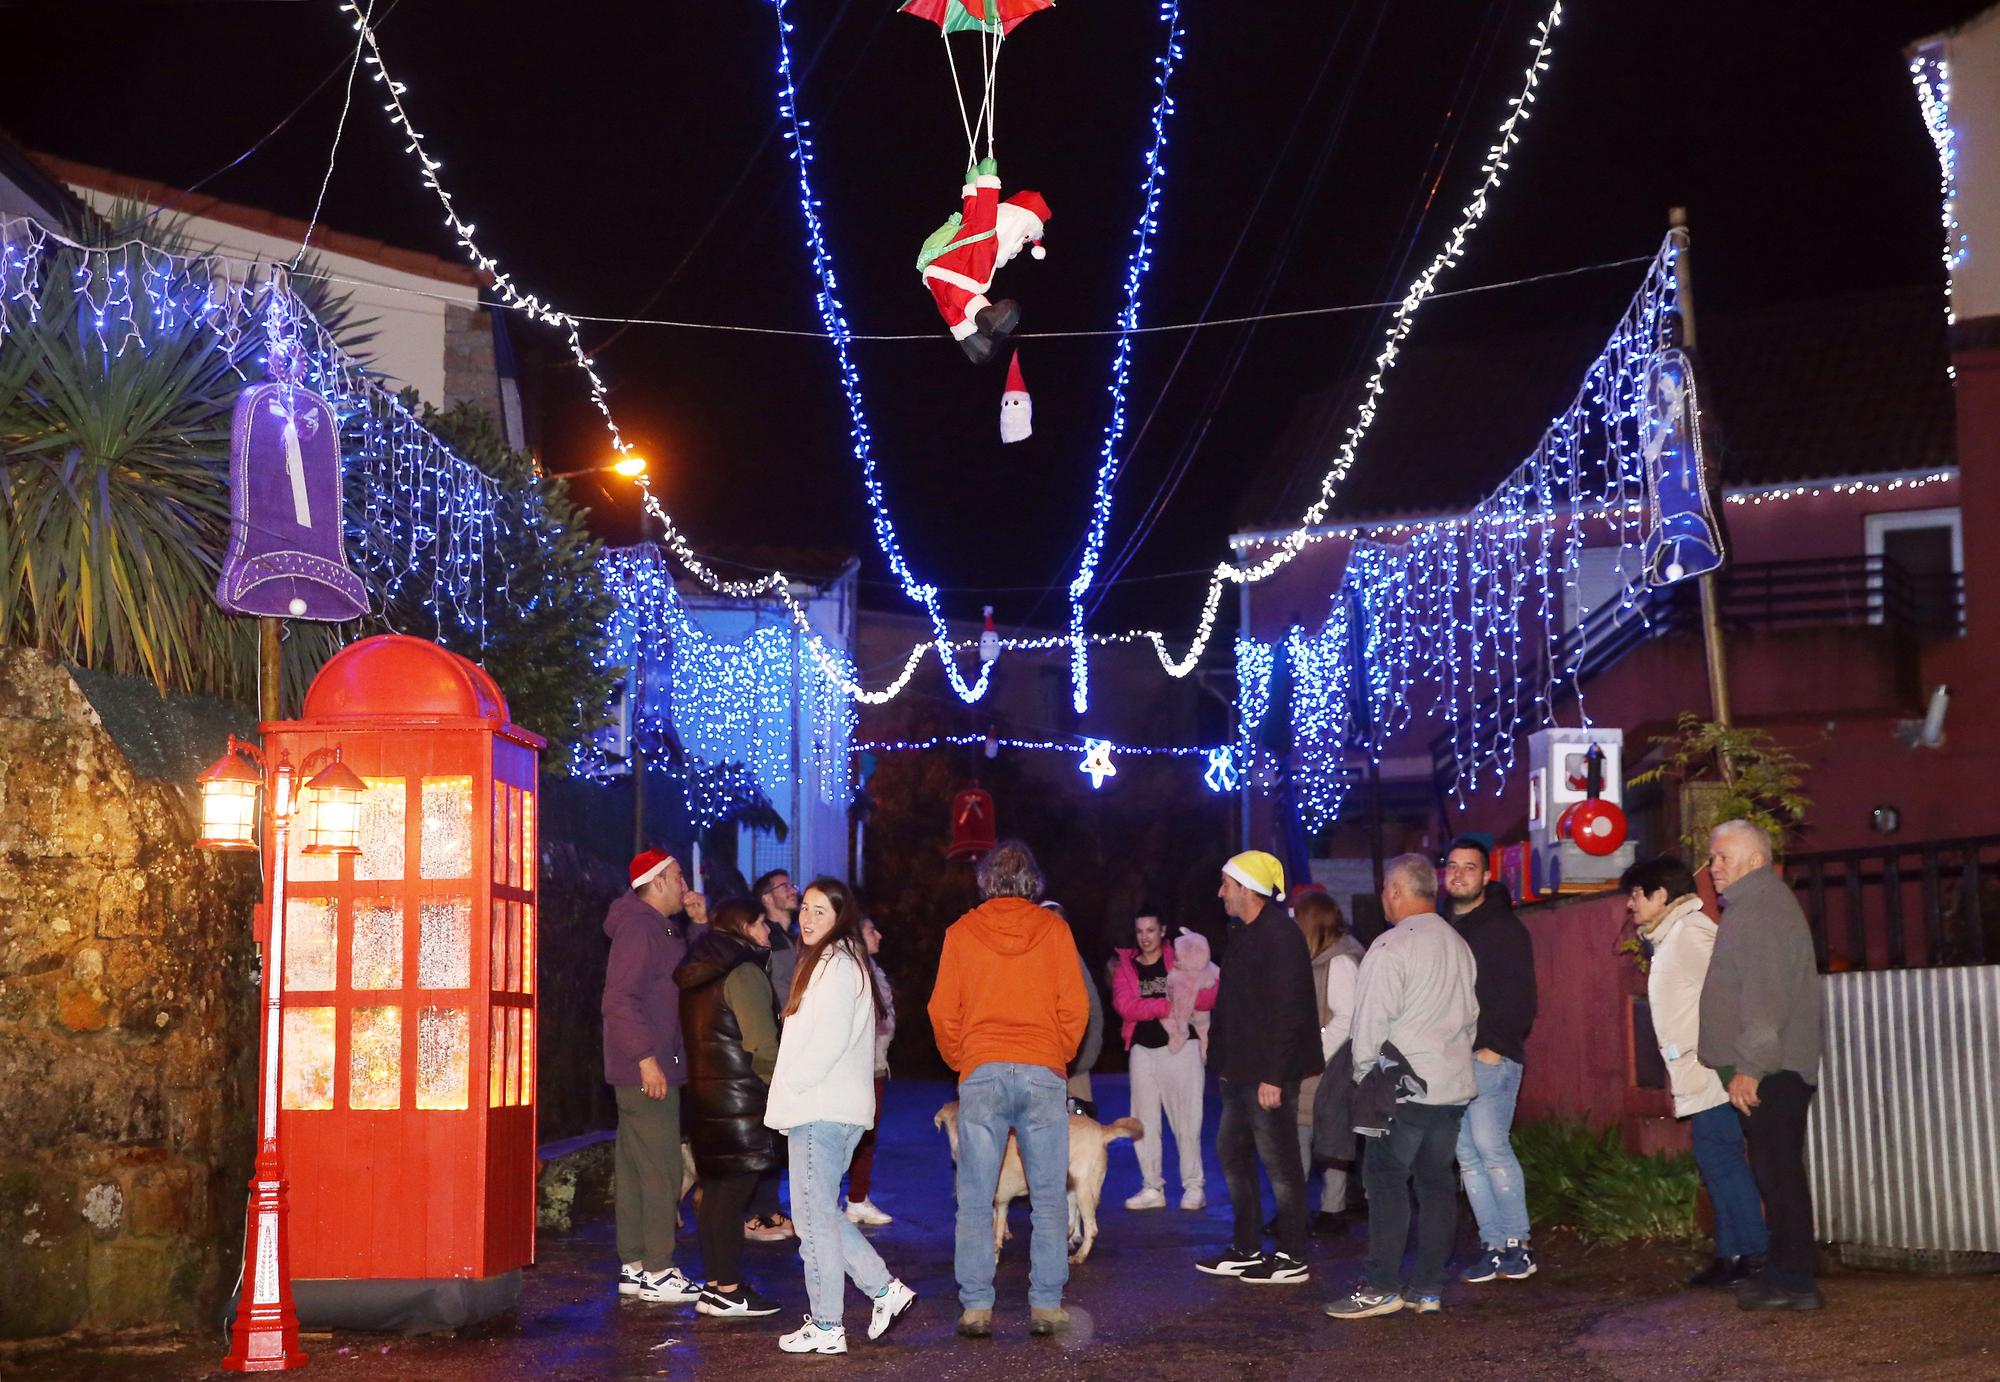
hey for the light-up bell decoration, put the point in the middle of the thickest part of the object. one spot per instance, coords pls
(333, 810)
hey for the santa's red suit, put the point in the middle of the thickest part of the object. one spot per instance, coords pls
(960, 258)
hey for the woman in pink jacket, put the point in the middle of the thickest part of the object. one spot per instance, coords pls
(1162, 1076)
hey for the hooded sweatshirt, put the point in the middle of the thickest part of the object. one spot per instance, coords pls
(641, 1006)
(1009, 989)
(1505, 954)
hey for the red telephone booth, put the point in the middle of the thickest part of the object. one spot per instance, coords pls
(407, 1105)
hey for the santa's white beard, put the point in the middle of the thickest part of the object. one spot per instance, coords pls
(1017, 417)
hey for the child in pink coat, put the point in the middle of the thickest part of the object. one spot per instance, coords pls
(1192, 973)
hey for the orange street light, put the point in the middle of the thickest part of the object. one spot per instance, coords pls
(630, 466)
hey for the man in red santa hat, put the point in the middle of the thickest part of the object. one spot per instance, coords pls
(959, 259)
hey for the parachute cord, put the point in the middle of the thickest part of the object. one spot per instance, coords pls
(993, 93)
(958, 94)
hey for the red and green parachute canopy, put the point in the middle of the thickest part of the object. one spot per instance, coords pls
(957, 16)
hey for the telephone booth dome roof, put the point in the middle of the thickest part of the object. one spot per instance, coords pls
(402, 677)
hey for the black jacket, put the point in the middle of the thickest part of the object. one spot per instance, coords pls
(1265, 1028)
(722, 1115)
(1505, 986)
(1344, 1108)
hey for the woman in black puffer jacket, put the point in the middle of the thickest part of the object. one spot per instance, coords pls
(730, 1036)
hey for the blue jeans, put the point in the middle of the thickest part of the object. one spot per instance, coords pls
(1494, 1186)
(1031, 1100)
(1718, 1151)
(828, 1243)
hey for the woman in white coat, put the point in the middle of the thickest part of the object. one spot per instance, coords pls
(1666, 911)
(823, 1098)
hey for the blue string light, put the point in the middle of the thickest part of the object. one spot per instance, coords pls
(797, 133)
(1136, 267)
(724, 701)
(1468, 617)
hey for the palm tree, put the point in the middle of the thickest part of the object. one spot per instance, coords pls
(114, 493)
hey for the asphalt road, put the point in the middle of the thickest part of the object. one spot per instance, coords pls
(1142, 1312)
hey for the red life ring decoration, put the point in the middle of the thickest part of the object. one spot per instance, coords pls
(1598, 826)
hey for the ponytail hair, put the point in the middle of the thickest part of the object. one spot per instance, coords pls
(845, 935)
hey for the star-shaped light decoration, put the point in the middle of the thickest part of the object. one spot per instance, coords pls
(1097, 761)
(1221, 774)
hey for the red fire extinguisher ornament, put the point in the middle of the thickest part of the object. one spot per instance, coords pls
(1598, 826)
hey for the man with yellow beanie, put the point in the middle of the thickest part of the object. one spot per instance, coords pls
(1263, 1040)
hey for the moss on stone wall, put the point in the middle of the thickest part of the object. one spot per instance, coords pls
(127, 1022)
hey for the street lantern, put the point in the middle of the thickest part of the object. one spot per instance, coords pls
(407, 1093)
(229, 800)
(333, 812)
(265, 1334)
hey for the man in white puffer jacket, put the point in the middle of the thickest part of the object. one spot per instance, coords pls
(1667, 913)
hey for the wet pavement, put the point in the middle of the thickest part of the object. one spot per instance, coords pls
(1141, 1311)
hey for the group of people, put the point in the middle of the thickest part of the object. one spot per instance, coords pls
(727, 1027)
(1405, 1058)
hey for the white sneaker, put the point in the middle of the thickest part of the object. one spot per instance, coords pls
(1152, 1197)
(865, 1212)
(889, 1307)
(1192, 1198)
(668, 1286)
(810, 1338)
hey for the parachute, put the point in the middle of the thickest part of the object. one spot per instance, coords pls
(993, 21)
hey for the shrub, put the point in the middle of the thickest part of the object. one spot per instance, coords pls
(1587, 1181)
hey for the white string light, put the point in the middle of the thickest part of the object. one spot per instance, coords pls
(1930, 71)
(1404, 318)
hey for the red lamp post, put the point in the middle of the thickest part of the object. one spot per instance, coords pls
(265, 1336)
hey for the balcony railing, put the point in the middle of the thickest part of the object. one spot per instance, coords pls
(1751, 596)
(1912, 906)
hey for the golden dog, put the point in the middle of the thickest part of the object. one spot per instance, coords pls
(1087, 1163)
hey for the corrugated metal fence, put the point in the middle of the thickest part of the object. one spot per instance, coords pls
(1904, 1140)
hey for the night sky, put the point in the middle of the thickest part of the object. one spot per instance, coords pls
(622, 158)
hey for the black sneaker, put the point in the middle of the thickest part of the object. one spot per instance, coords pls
(1277, 1269)
(1231, 1263)
(745, 1302)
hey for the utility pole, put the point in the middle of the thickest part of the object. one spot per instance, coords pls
(1711, 610)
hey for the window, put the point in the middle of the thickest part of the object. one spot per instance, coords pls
(1602, 574)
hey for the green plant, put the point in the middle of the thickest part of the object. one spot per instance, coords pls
(114, 497)
(1746, 774)
(1587, 1181)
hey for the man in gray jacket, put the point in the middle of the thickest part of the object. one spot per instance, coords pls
(1760, 1031)
(1415, 993)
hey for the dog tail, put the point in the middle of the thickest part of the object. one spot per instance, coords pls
(943, 1113)
(1123, 1127)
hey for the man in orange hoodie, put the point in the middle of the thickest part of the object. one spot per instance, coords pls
(1008, 1012)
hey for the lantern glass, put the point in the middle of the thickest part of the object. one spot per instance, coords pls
(228, 813)
(333, 810)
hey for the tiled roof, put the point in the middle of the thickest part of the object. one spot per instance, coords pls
(263, 222)
(1848, 386)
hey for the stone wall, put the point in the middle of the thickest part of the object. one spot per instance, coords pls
(471, 371)
(127, 1018)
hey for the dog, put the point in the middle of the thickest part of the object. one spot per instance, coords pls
(1088, 1160)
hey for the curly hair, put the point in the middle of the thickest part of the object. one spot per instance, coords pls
(1009, 870)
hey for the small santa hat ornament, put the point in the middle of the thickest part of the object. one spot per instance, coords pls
(989, 640)
(1017, 410)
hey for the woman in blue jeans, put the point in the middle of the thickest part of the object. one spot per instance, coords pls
(823, 1098)
(1666, 911)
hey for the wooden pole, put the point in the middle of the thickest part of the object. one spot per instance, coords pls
(1711, 606)
(270, 670)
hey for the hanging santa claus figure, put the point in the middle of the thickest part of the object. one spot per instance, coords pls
(960, 258)
(1017, 410)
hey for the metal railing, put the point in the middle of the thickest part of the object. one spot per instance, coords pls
(1915, 906)
(1751, 596)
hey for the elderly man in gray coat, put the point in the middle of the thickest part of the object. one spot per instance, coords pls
(1760, 1031)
